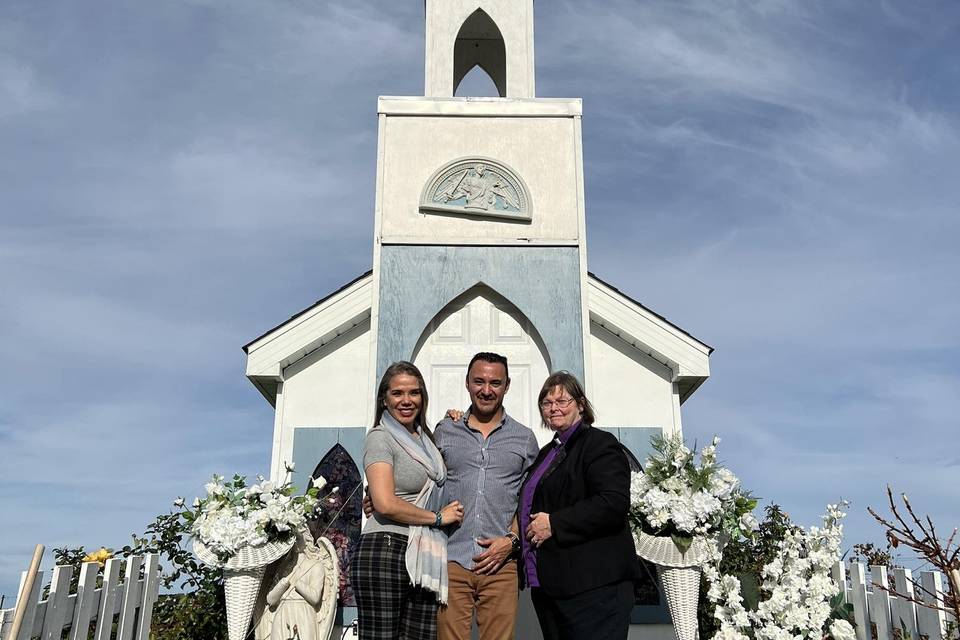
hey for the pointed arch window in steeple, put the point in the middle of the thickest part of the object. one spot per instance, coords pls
(480, 44)
(476, 84)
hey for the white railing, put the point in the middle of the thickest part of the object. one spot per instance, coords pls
(131, 599)
(890, 615)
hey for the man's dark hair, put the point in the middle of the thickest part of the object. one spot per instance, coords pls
(492, 358)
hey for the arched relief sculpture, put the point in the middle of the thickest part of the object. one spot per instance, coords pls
(478, 187)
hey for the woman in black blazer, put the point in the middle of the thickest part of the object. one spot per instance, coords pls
(578, 556)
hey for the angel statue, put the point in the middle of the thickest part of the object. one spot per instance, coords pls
(301, 601)
(479, 187)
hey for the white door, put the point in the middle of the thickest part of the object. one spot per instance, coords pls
(481, 320)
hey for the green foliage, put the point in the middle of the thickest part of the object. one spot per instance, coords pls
(194, 605)
(745, 558)
(950, 631)
(682, 542)
(872, 555)
(72, 556)
(840, 609)
(196, 609)
(672, 459)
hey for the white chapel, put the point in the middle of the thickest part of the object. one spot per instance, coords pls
(479, 245)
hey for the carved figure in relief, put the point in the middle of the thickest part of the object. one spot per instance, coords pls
(301, 601)
(479, 187)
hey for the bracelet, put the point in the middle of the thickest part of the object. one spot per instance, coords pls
(436, 525)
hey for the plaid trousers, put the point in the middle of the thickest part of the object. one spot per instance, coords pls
(389, 607)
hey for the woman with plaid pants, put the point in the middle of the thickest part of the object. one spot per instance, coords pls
(399, 572)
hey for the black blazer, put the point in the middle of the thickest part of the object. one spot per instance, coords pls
(586, 491)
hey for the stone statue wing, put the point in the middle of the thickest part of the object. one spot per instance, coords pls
(504, 192)
(331, 585)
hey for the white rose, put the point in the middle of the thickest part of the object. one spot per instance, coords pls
(748, 522)
(658, 518)
(214, 488)
(726, 633)
(680, 457)
(708, 454)
(656, 499)
(842, 630)
(704, 505)
(683, 516)
(672, 484)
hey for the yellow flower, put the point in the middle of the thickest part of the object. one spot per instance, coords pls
(100, 557)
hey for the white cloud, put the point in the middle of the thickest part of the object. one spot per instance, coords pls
(244, 183)
(21, 91)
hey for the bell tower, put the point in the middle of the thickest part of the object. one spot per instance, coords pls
(479, 221)
(496, 35)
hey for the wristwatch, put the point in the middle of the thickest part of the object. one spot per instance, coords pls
(514, 540)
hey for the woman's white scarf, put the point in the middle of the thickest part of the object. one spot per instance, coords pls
(426, 546)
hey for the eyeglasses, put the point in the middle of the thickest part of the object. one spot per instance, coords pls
(562, 403)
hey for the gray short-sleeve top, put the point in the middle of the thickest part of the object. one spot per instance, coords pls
(409, 476)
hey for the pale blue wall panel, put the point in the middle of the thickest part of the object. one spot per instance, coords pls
(416, 282)
(310, 444)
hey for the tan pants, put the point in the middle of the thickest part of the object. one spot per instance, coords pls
(494, 597)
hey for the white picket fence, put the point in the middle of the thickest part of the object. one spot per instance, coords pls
(132, 598)
(887, 612)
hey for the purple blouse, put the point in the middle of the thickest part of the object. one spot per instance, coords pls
(527, 549)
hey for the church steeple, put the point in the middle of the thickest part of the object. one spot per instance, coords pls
(496, 35)
(479, 194)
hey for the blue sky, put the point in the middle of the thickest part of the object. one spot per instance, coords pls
(779, 178)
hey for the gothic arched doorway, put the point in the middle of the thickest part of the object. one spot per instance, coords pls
(482, 320)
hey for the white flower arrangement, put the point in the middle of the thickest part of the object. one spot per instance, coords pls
(681, 497)
(234, 515)
(801, 600)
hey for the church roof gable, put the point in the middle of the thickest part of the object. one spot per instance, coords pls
(316, 304)
(313, 327)
(351, 304)
(647, 309)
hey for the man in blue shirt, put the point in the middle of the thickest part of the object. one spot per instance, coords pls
(487, 454)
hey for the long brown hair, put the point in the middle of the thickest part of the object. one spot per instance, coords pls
(569, 383)
(399, 368)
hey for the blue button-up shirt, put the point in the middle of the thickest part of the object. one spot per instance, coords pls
(484, 474)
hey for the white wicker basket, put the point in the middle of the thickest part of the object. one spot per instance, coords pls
(247, 557)
(661, 551)
(240, 586)
(680, 576)
(242, 574)
(681, 587)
